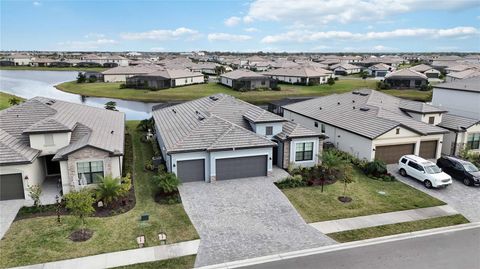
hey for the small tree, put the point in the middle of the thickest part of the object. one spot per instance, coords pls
(14, 101)
(166, 182)
(80, 203)
(109, 189)
(146, 124)
(81, 78)
(346, 177)
(220, 69)
(331, 162)
(111, 105)
(35, 191)
(330, 81)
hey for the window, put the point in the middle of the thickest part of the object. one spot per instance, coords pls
(93, 171)
(397, 131)
(413, 165)
(473, 141)
(323, 128)
(404, 160)
(431, 120)
(304, 151)
(269, 130)
(263, 82)
(316, 124)
(48, 139)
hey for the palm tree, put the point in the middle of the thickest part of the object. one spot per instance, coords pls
(111, 105)
(109, 189)
(14, 101)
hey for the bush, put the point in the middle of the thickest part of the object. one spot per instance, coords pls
(426, 88)
(382, 85)
(312, 83)
(166, 182)
(471, 157)
(126, 185)
(123, 86)
(331, 81)
(292, 182)
(80, 203)
(81, 78)
(375, 168)
(276, 88)
(149, 165)
(92, 79)
(109, 189)
(155, 148)
(34, 191)
(336, 78)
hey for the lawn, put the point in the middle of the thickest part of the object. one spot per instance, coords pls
(200, 90)
(186, 262)
(4, 99)
(33, 68)
(41, 239)
(398, 228)
(315, 206)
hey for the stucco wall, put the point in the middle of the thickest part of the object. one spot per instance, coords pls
(60, 140)
(34, 171)
(226, 81)
(260, 128)
(189, 80)
(293, 144)
(460, 103)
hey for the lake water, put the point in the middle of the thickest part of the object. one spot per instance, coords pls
(28, 84)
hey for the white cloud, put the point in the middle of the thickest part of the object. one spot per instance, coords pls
(156, 49)
(36, 3)
(343, 11)
(161, 34)
(232, 21)
(311, 36)
(94, 35)
(228, 37)
(87, 45)
(382, 48)
(251, 30)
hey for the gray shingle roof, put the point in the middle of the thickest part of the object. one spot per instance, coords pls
(90, 126)
(242, 74)
(406, 73)
(298, 72)
(457, 123)
(260, 115)
(419, 107)
(368, 113)
(293, 130)
(468, 84)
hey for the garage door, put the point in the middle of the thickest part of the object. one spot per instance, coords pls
(391, 154)
(11, 187)
(254, 166)
(428, 149)
(191, 170)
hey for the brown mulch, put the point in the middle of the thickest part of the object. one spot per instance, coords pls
(162, 198)
(344, 199)
(81, 235)
(318, 182)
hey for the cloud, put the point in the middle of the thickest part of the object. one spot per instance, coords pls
(227, 37)
(163, 35)
(232, 21)
(94, 35)
(382, 48)
(343, 11)
(156, 49)
(87, 45)
(36, 3)
(251, 30)
(311, 36)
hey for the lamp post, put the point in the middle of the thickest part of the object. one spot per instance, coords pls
(57, 199)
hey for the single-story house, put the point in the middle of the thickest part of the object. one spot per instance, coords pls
(246, 80)
(163, 79)
(105, 61)
(121, 73)
(299, 75)
(427, 70)
(464, 133)
(372, 125)
(17, 59)
(379, 70)
(406, 78)
(220, 137)
(468, 73)
(461, 97)
(42, 62)
(345, 69)
(44, 139)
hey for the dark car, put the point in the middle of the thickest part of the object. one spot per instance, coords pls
(460, 170)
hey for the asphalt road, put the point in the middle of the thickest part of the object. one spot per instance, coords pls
(446, 250)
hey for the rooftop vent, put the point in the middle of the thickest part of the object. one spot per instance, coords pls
(174, 111)
(364, 109)
(111, 132)
(363, 94)
(214, 98)
(356, 92)
(48, 103)
(200, 117)
(353, 101)
(338, 103)
(320, 108)
(354, 107)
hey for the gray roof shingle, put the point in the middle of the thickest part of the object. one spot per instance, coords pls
(457, 123)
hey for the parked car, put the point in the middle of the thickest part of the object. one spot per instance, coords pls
(460, 170)
(425, 171)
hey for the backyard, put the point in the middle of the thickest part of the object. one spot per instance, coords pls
(5, 99)
(42, 239)
(201, 90)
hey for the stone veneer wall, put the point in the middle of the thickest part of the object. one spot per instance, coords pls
(87, 154)
(286, 153)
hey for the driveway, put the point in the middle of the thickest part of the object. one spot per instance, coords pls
(464, 199)
(245, 218)
(8, 211)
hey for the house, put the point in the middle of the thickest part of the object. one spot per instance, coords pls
(468, 73)
(44, 139)
(345, 69)
(163, 79)
(220, 137)
(299, 75)
(372, 125)
(205, 68)
(379, 70)
(460, 97)
(246, 80)
(105, 61)
(427, 70)
(121, 73)
(464, 133)
(406, 78)
(17, 59)
(43, 62)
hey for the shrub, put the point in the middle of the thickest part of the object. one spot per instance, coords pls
(34, 191)
(123, 86)
(382, 85)
(146, 124)
(92, 79)
(155, 148)
(149, 165)
(336, 78)
(426, 88)
(471, 156)
(80, 203)
(375, 168)
(166, 182)
(276, 88)
(81, 78)
(331, 81)
(109, 189)
(126, 185)
(292, 182)
(312, 83)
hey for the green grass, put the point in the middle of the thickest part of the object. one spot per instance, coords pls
(4, 99)
(398, 228)
(315, 206)
(416, 95)
(41, 239)
(200, 90)
(186, 262)
(46, 68)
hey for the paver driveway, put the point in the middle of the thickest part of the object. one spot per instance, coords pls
(8, 212)
(245, 218)
(464, 199)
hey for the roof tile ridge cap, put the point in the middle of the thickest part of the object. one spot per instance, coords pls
(242, 128)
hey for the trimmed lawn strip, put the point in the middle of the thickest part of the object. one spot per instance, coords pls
(5, 97)
(186, 262)
(398, 228)
(415, 95)
(315, 206)
(191, 92)
(46, 68)
(41, 239)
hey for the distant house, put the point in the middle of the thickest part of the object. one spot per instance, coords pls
(379, 70)
(205, 68)
(464, 133)
(461, 97)
(468, 73)
(17, 59)
(345, 69)
(121, 73)
(427, 70)
(163, 79)
(299, 75)
(406, 78)
(43, 62)
(105, 61)
(245, 80)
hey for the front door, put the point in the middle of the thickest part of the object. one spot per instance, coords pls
(53, 167)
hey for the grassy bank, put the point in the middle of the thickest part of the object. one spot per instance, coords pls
(41, 239)
(46, 68)
(186, 262)
(5, 99)
(398, 228)
(200, 90)
(316, 206)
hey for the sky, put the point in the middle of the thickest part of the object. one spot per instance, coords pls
(242, 26)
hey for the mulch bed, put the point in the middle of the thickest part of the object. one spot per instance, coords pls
(167, 198)
(344, 199)
(318, 182)
(81, 235)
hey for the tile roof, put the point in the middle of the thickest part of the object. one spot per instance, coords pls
(457, 123)
(421, 68)
(297, 72)
(293, 130)
(366, 112)
(405, 73)
(242, 74)
(469, 73)
(380, 66)
(468, 84)
(260, 115)
(132, 70)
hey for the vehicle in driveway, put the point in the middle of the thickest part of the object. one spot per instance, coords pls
(425, 171)
(461, 170)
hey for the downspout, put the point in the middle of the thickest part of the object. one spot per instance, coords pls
(455, 144)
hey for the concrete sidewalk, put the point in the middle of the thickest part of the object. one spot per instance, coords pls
(122, 258)
(340, 225)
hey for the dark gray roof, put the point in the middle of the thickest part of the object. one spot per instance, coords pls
(293, 130)
(419, 107)
(468, 84)
(242, 74)
(260, 115)
(90, 126)
(457, 123)
(366, 112)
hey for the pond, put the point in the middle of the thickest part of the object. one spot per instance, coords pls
(28, 84)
